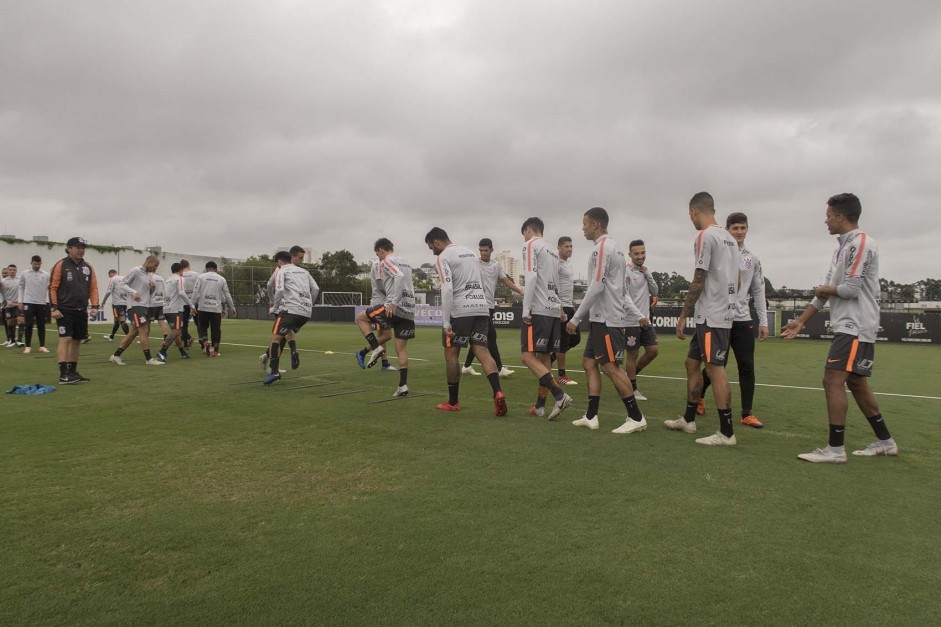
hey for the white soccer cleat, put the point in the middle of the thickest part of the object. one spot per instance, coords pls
(401, 391)
(638, 396)
(116, 360)
(375, 356)
(560, 406)
(585, 422)
(631, 426)
(824, 455)
(107, 337)
(716, 439)
(263, 360)
(505, 372)
(43, 349)
(27, 350)
(879, 447)
(680, 424)
(153, 361)
(469, 370)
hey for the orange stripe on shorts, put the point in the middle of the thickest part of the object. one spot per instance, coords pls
(708, 347)
(607, 343)
(529, 340)
(852, 357)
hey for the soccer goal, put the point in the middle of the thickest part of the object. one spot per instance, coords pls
(341, 298)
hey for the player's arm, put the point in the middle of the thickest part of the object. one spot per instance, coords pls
(695, 291)
(447, 293)
(529, 283)
(398, 286)
(182, 291)
(592, 294)
(793, 328)
(277, 294)
(653, 287)
(233, 312)
(761, 307)
(314, 289)
(635, 313)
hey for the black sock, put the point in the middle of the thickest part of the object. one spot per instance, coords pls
(118, 351)
(371, 340)
(878, 427)
(274, 352)
(452, 392)
(363, 351)
(561, 372)
(705, 384)
(690, 414)
(494, 379)
(632, 409)
(385, 361)
(70, 366)
(469, 359)
(182, 350)
(593, 403)
(547, 382)
(292, 344)
(836, 435)
(403, 377)
(114, 329)
(541, 396)
(147, 355)
(725, 422)
(125, 328)
(63, 369)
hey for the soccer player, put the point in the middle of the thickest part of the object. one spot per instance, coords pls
(210, 297)
(189, 283)
(604, 306)
(176, 300)
(742, 337)
(852, 290)
(34, 296)
(294, 294)
(642, 289)
(138, 288)
(159, 302)
(492, 273)
(542, 316)
(464, 316)
(711, 299)
(13, 313)
(567, 298)
(72, 286)
(297, 255)
(395, 316)
(118, 304)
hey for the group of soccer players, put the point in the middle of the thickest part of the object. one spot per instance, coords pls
(616, 305)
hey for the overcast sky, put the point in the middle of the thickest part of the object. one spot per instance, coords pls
(229, 128)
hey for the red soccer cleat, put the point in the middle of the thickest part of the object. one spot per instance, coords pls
(499, 404)
(701, 407)
(448, 407)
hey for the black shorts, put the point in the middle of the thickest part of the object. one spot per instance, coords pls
(635, 337)
(403, 329)
(35, 313)
(541, 335)
(710, 345)
(848, 354)
(288, 323)
(605, 344)
(174, 321)
(73, 323)
(139, 316)
(569, 340)
(156, 313)
(379, 317)
(9, 313)
(119, 311)
(466, 331)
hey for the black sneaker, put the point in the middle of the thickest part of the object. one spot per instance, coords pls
(162, 355)
(79, 377)
(184, 355)
(295, 360)
(70, 378)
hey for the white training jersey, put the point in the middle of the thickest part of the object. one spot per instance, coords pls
(378, 290)
(462, 290)
(640, 287)
(11, 289)
(540, 279)
(138, 281)
(395, 274)
(295, 291)
(176, 296)
(211, 294)
(566, 283)
(492, 273)
(189, 281)
(753, 282)
(632, 315)
(34, 287)
(604, 298)
(117, 295)
(716, 252)
(854, 271)
(160, 290)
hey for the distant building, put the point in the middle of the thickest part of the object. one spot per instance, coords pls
(510, 264)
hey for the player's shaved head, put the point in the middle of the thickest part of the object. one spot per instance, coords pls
(598, 215)
(704, 202)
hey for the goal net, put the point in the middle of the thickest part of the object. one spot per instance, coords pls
(341, 298)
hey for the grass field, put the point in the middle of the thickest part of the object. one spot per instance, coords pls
(191, 494)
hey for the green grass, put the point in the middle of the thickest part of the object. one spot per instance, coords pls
(190, 494)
